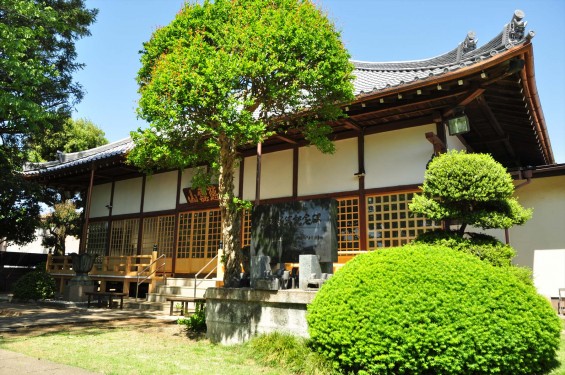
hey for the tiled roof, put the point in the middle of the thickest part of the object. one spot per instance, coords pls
(118, 148)
(370, 77)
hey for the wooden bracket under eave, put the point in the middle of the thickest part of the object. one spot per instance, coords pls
(439, 146)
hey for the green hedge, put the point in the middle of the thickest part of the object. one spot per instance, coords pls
(431, 310)
(35, 285)
(481, 245)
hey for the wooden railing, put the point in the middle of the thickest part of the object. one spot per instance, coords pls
(125, 266)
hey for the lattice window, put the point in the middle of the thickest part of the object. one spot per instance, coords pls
(246, 228)
(123, 237)
(184, 235)
(348, 224)
(391, 223)
(160, 231)
(199, 234)
(96, 239)
(214, 233)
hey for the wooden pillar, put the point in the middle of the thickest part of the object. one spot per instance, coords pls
(82, 246)
(295, 155)
(362, 199)
(258, 177)
(141, 207)
(176, 233)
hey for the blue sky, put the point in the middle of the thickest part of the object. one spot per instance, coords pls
(372, 30)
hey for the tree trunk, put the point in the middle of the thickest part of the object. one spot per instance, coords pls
(230, 214)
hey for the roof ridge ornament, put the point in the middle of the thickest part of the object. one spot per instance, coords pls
(468, 45)
(514, 31)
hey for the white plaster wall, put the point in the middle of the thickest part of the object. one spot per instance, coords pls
(397, 157)
(549, 271)
(101, 195)
(276, 174)
(453, 143)
(249, 173)
(160, 191)
(127, 196)
(320, 173)
(546, 229)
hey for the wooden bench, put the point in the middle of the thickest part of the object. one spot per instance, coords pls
(110, 295)
(198, 302)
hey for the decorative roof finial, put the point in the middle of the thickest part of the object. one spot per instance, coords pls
(517, 25)
(468, 45)
(514, 31)
(470, 42)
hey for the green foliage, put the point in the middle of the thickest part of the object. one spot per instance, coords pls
(228, 74)
(38, 60)
(431, 310)
(35, 285)
(64, 220)
(289, 352)
(483, 246)
(195, 322)
(473, 189)
(75, 135)
(19, 201)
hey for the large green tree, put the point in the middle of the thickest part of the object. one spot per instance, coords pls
(75, 135)
(38, 58)
(65, 219)
(229, 73)
(37, 61)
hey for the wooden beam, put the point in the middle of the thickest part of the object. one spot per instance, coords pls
(352, 124)
(285, 139)
(496, 126)
(468, 99)
(424, 104)
(439, 146)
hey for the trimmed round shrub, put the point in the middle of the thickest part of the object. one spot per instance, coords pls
(35, 285)
(432, 310)
(481, 245)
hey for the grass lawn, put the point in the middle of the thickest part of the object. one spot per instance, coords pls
(147, 347)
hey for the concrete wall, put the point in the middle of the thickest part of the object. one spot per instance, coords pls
(235, 315)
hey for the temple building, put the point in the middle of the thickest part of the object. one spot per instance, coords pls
(482, 99)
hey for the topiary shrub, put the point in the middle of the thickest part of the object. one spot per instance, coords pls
(35, 285)
(483, 246)
(431, 310)
(473, 189)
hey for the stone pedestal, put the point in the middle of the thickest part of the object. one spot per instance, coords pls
(76, 292)
(260, 269)
(309, 268)
(81, 283)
